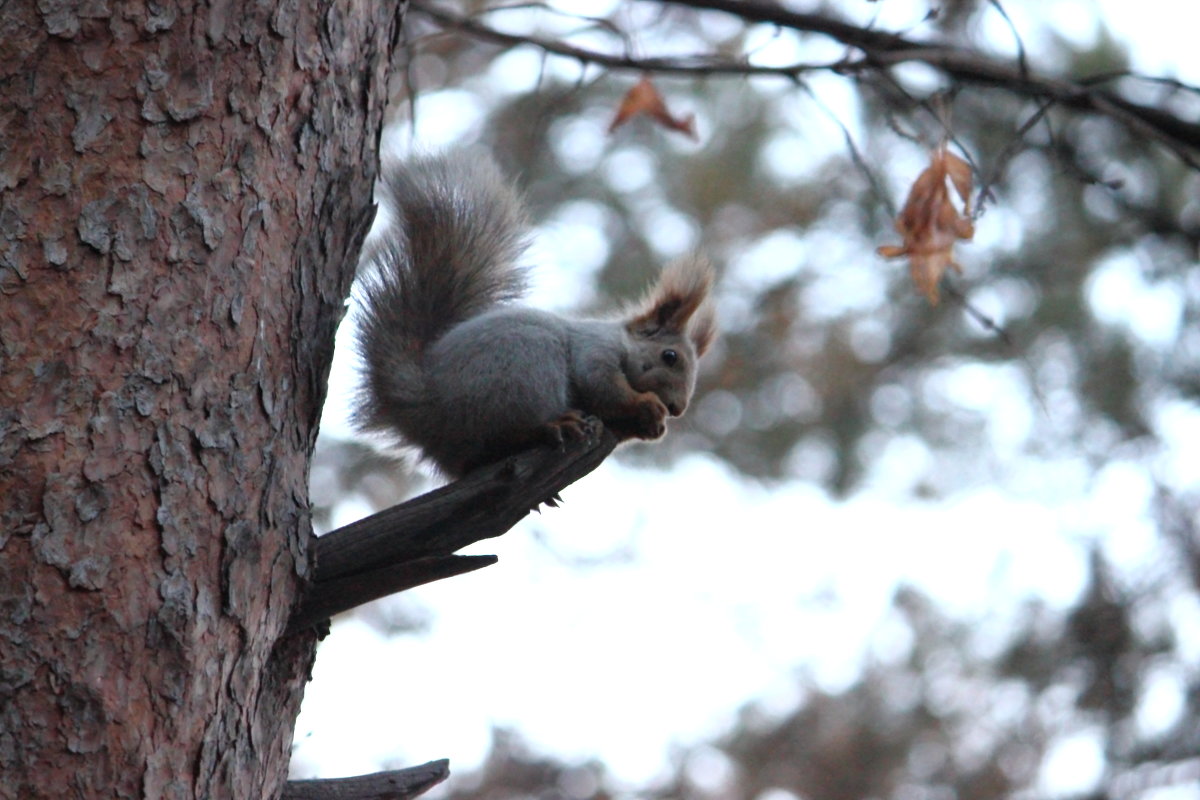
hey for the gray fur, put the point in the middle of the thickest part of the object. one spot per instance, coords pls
(453, 367)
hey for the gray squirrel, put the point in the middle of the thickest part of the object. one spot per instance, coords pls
(453, 366)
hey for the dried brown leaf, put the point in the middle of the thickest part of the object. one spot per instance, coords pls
(930, 223)
(644, 98)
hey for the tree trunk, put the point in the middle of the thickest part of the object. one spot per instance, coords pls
(183, 193)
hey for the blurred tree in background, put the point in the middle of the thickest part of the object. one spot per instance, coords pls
(1067, 353)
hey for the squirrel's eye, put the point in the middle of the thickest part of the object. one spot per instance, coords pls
(669, 357)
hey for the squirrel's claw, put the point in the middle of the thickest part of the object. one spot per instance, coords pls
(571, 426)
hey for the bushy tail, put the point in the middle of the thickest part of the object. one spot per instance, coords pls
(448, 253)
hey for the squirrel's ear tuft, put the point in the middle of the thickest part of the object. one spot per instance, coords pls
(703, 329)
(681, 290)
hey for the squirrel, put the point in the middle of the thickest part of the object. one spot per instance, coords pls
(453, 366)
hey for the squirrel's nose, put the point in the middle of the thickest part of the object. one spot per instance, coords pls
(675, 409)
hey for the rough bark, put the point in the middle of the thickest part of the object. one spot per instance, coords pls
(183, 191)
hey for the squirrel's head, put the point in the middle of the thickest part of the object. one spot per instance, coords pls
(671, 328)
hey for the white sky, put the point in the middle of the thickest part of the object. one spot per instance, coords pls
(717, 608)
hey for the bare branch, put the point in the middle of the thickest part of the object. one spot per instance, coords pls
(412, 543)
(399, 784)
(692, 65)
(877, 51)
(333, 596)
(886, 49)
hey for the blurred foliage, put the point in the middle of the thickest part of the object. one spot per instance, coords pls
(949, 709)
(829, 361)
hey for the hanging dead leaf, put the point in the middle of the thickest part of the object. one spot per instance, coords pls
(644, 98)
(931, 224)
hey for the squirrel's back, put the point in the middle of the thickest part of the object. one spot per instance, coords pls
(449, 252)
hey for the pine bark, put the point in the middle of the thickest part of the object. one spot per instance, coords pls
(183, 192)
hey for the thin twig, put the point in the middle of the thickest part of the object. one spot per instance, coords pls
(1022, 62)
(1002, 160)
(856, 156)
(1124, 74)
(983, 319)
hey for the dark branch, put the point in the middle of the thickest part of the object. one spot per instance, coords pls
(877, 50)
(694, 65)
(865, 39)
(887, 49)
(399, 784)
(330, 597)
(412, 543)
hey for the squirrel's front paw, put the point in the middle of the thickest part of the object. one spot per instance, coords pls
(651, 417)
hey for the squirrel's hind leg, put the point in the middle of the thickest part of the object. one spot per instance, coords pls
(572, 426)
